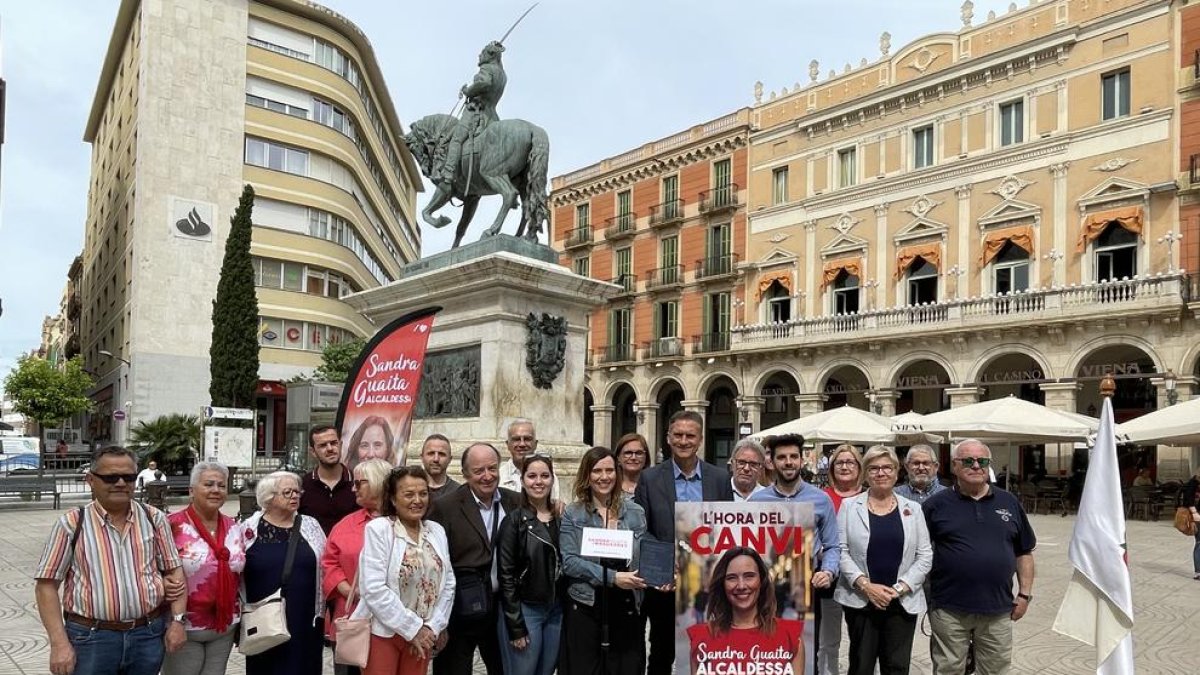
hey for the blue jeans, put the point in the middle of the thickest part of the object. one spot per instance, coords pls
(540, 656)
(110, 652)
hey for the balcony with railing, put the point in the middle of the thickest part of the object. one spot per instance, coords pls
(716, 267)
(719, 199)
(620, 227)
(619, 353)
(627, 282)
(664, 278)
(711, 342)
(1124, 297)
(663, 348)
(1194, 170)
(579, 237)
(667, 213)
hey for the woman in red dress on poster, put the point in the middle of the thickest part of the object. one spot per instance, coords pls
(740, 626)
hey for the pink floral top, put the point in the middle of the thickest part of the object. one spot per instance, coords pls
(421, 572)
(200, 566)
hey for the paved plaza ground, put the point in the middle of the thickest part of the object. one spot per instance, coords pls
(1166, 601)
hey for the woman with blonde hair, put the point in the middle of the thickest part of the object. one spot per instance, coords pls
(339, 565)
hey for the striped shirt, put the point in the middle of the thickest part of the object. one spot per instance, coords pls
(113, 575)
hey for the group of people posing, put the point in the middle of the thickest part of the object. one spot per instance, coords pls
(494, 565)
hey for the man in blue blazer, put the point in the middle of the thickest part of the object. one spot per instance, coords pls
(685, 477)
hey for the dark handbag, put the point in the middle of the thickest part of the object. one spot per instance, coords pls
(472, 595)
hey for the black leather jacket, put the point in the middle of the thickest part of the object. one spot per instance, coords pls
(529, 566)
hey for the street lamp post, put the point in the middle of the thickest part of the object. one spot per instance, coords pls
(126, 407)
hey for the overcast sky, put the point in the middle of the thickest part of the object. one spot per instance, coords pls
(601, 76)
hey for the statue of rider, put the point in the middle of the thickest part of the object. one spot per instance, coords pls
(482, 94)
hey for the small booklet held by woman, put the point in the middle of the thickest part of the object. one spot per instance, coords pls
(656, 564)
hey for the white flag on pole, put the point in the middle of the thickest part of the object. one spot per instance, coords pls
(1098, 605)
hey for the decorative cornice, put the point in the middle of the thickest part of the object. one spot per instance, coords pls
(1010, 186)
(1114, 164)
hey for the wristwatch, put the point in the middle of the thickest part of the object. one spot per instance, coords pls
(178, 618)
(1026, 598)
(898, 587)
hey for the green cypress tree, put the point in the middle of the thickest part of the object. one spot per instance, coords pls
(233, 356)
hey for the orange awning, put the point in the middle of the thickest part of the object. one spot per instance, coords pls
(1094, 224)
(994, 242)
(833, 268)
(784, 278)
(930, 253)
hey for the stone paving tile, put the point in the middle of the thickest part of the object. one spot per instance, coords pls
(1165, 607)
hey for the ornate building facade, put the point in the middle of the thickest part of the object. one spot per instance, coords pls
(195, 100)
(986, 212)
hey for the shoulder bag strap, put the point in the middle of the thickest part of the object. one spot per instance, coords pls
(75, 535)
(293, 542)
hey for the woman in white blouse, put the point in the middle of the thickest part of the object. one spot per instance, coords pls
(405, 578)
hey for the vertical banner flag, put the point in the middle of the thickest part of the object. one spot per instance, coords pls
(743, 595)
(1098, 606)
(375, 414)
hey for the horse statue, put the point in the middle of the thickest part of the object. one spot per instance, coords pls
(509, 157)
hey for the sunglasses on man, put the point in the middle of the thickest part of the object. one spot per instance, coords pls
(972, 462)
(112, 478)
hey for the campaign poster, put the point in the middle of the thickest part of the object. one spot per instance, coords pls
(743, 601)
(375, 414)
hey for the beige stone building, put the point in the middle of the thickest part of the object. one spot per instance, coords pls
(193, 101)
(984, 212)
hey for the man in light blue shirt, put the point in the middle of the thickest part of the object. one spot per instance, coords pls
(922, 466)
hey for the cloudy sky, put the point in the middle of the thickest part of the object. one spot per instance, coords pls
(601, 77)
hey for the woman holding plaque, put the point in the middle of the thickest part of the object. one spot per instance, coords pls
(740, 632)
(603, 594)
(886, 555)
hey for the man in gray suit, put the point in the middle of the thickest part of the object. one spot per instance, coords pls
(682, 478)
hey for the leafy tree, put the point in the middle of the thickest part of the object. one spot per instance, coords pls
(337, 359)
(47, 394)
(233, 357)
(171, 440)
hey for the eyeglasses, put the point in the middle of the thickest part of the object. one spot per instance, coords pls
(292, 493)
(885, 469)
(746, 464)
(972, 462)
(845, 462)
(361, 482)
(921, 465)
(633, 453)
(522, 439)
(112, 478)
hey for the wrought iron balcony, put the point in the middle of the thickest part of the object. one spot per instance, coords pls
(711, 342)
(620, 227)
(664, 348)
(619, 353)
(716, 266)
(627, 282)
(579, 237)
(665, 278)
(669, 212)
(718, 199)
(1194, 170)
(1164, 293)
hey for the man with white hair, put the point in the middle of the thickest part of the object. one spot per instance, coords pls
(522, 442)
(746, 467)
(922, 466)
(981, 538)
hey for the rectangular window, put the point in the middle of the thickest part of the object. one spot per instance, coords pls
(668, 259)
(666, 320)
(582, 266)
(625, 210)
(314, 282)
(1115, 88)
(1116, 263)
(583, 217)
(670, 192)
(847, 167)
(293, 334)
(1012, 123)
(722, 187)
(1012, 278)
(779, 185)
(716, 322)
(717, 247)
(623, 272)
(923, 147)
(270, 332)
(779, 310)
(293, 275)
(272, 276)
(620, 333)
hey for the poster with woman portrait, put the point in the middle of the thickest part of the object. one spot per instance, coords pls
(375, 413)
(743, 600)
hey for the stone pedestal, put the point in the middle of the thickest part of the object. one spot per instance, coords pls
(486, 291)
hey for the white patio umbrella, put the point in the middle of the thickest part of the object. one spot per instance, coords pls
(845, 424)
(1009, 419)
(909, 421)
(1175, 425)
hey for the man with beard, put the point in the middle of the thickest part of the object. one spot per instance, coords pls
(922, 466)
(787, 453)
(328, 490)
(435, 457)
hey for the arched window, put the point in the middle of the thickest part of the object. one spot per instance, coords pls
(845, 293)
(1116, 253)
(922, 282)
(779, 303)
(1010, 270)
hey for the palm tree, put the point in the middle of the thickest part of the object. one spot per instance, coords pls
(171, 440)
